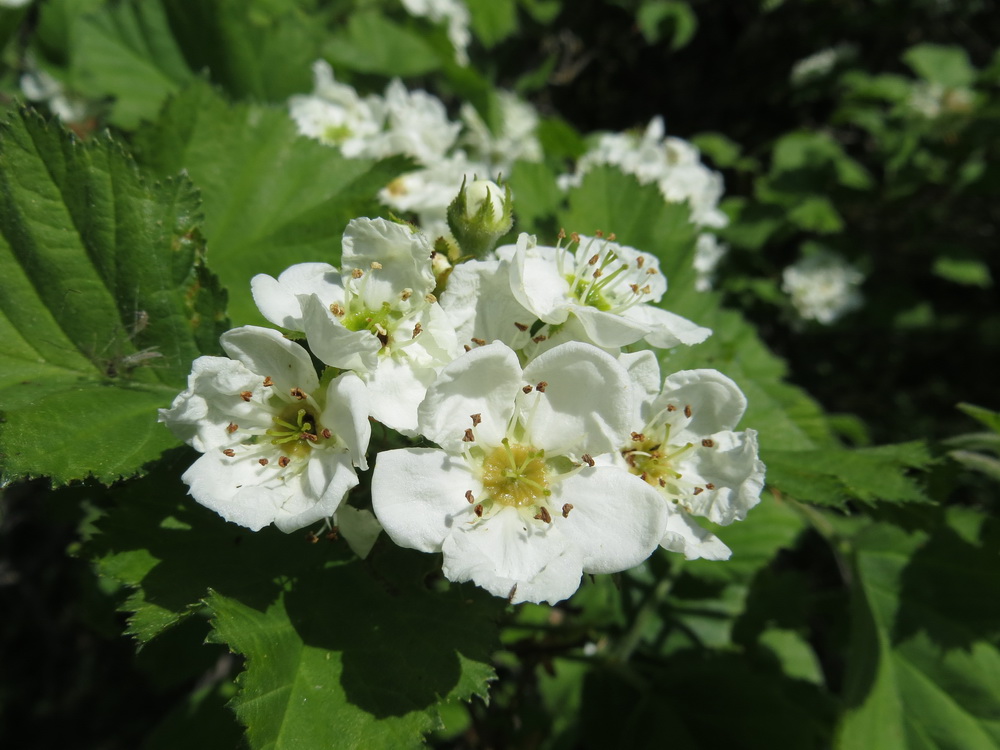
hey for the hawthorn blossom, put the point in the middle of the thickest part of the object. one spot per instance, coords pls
(455, 13)
(514, 497)
(607, 289)
(515, 138)
(377, 316)
(822, 286)
(335, 114)
(687, 450)
(277, 446)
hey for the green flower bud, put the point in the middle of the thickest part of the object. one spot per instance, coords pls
(481, 214)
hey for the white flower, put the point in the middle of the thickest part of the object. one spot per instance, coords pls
(39, 86)
(336, 115)
(823, 286)
(377, 316)
(455, 13)
(417, 125)
(277, 446)
(707, 254)
(515, 139)
(687, 450)
(515, 498)
(606, 287)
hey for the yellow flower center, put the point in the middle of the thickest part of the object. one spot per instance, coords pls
(516, 475)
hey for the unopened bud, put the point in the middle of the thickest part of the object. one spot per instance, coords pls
(479, 216)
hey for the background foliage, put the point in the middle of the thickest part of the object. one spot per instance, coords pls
(859, 608)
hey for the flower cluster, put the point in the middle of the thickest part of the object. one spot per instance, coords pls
(672, 164)
(527, 433)
(822, 286)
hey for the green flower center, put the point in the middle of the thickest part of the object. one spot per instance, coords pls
(516, 475)
(336, 133)
(380, 323)
(295, 431)
(651, 458)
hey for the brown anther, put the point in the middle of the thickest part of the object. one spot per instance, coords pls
(246, 395)
(566, 509)
(597, 273)
(468, 348)
(478, 342)
(326, 433)
(593, 260)
(651, 271)
(263, 461)
(671, 407)
(478, 510)
(646, 289)
(527, 389)
(630, 459)
(640, 261)
(562, 234)
(543, 515)
(612, 237)
(698, 490)
(634, 288)
(510, 596)
(708, 442)
(709, 486)
(574, 237)
(268, 382)
(470, 497)
(284, 461)
(520, 326)
(687, 411)
(541, 385)
(417, 329)
(311, 537)
(376, 266)
(357, 273)
(310, 437)
(338, 310)
(663, 482)
(539, 338)
(333, 534)
(476, 419)
(406, 294)
(587, 459)
(469, 436)
(638, 437)
(232, 428)
(298, 393)
(598, 233)
(643, 476)
(229, 452)
(430, 299)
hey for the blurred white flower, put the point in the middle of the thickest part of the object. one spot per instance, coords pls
(823, 286)
(39, 86)
(707, 253)
(516, 139)
(457, 16)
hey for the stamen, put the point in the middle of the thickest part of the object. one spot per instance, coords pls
(338, 310)
(430, 299)
(709, 486)
(476, 419)
(376, 266)
(229, 452)
(357, 273)
(687, 411)
(478, 510)
(417, 329)
(470, 497)
(246, 395)
(263, 461)
(671, 407)
(469, 436)
(406, 294)
(698, 490)
(587, 459)
(638, 437)
(520, 326)
(268, 382)
(540, 338)
(326, 433)
(479, 342)
(284, 461)
(510, 596)
(708, 442)
(527, 389)
(232, 428)
(541, 386)
(567, 507)
(298, 393)
(543, 515)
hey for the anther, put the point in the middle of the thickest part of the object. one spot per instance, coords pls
(687, 411)
(284, 461)
(478, 510)
(326, 433)
(543, 515)
(709, 486)
(357, 273)
(467, 348)
(469, 437)
(646, 289)
(698, 490)
(246, 395)
(232, 428)
(470, 497)
(539, 338)
(333, 534)
(311, 537)
(263, 461)
(634, 288)
(376, 266)
(562, 234)
(310, 437)
(527, 389)
(598, 233)
(510, 596)
(406, 294)
(541, 386)
(612, 237)
(476, 419)
(566, 509)
(574, 237)
(597, 273)
(229, 452)
(640, 261)
(479, 342)
(268, 382)
(593, 260)
(430, 299)
(587, 459)
(520, 326)
(708, 442)
(651, 271)
(338, 310)
(417, 329)
(298, 393)
(671, 407)
(638, 437)
(663, 482)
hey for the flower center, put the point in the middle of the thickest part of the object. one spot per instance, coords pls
(294, 430)
(379, 322)
(336, 133)
(651, 458)
(516, 475)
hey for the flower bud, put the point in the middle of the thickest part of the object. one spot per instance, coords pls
(479, 216)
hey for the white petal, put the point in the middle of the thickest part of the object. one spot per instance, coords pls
(716, 404)
(233, 488)
(504, 551)
(335, 344)
(587, 406)
(277, 299)
(269, 354)
(419, 496)
(404, 256)
(359, 528)
(483, 381)
(327, 479)
(395, 390)
(480, 305)
(616, 521)
(732, 466)
(536, 282)
(665, 329)
(684, 535)
(644, 371)
(607, 329)
(346, 415)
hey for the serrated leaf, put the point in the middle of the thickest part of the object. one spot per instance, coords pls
(923, 662)
(986, 417)
(104, 303)
(271, 197)
(345, 660)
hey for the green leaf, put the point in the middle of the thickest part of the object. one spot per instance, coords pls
(344, 660)
(938, 63)
(493, 20)
(104, 303)
(923, 663)
(965, 271)
(126, 51)
(987, 417)
(536, 194)
(682, 21)
(371, 43)
(834, 476)
(271, 197)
